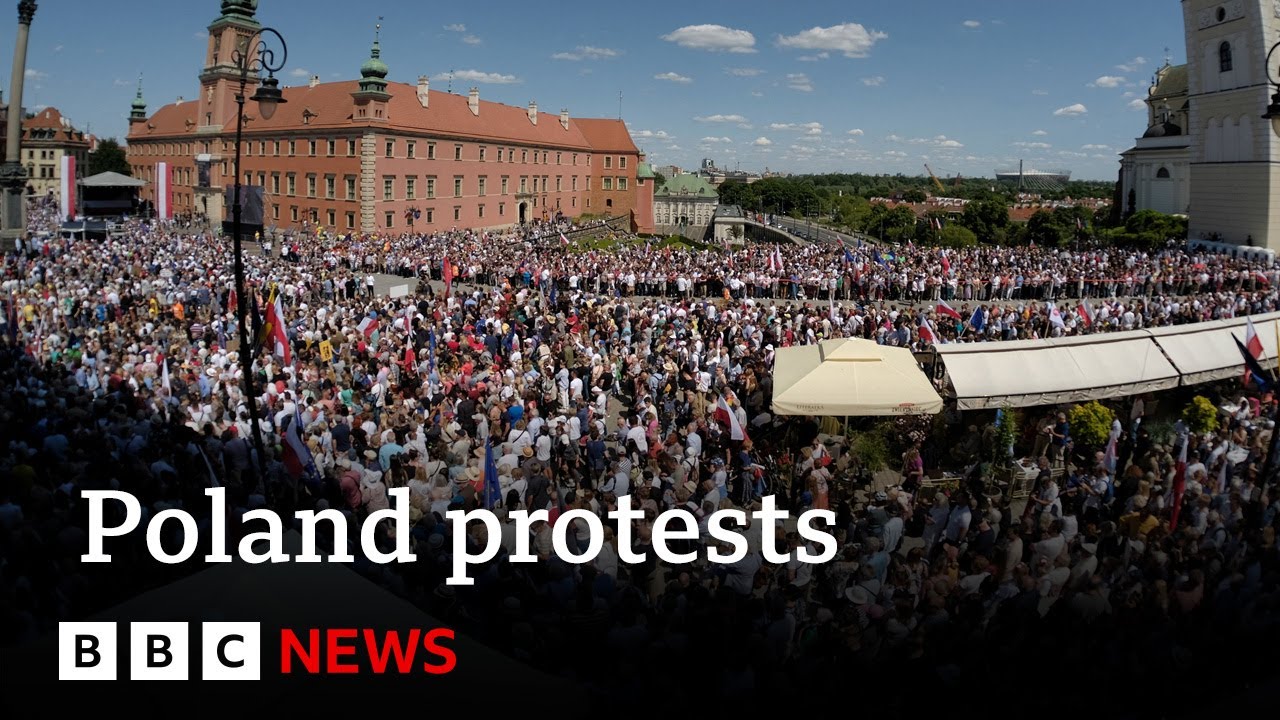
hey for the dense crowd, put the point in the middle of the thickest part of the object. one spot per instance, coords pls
(597, 374)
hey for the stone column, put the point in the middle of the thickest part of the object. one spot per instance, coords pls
(13, 174)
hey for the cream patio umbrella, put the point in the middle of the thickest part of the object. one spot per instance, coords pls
(851, 377)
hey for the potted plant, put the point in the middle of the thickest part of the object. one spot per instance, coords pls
(1200, 415)
(1090, 426)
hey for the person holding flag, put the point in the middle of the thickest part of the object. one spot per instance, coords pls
(1253, 344)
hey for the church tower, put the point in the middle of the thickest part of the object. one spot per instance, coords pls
(1235, 155)
(138, 108)
(220, 79)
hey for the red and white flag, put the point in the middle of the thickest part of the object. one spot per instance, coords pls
(164, 192)
(277, 336)
(1055, 316)
(446, 273)
(946, 263)
(945, 309)
(725, 414)
(927, 334)
(564, 240)
(68, 187)
(1086, 314)
(368, 326)
(1253, 344)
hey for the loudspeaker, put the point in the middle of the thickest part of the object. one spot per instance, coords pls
(250, 204)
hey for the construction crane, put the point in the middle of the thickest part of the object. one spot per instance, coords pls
(936, 181)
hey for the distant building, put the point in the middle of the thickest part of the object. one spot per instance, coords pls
(669, 170)
(716, 176)
(371, 155)
(685, 205)
(1155, 174)
(729, 225)
(46, 138)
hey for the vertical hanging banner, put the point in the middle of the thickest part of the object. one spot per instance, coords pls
(68, 189)
(164, 192)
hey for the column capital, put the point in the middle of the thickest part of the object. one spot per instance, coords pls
(26, 11)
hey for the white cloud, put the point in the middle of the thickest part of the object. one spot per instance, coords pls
(118, 82)
(1040, 133)
(471, 40)
(852, 39)
(876, 81)
(717, 118)
(756, 93)
(33, 74)
(894, 138)
(716, 38)
(1107, 81)
(762, 141)
(895, 154)
(1137, 104)
(1095, 147)
(799, 81)
(809, 128)
(673, 77)
(1132, 65)
(1033, 145)
(586, 52)
(57, 48)
(456, 27)
(856, 131)
(814, 58)
(300, 73)
(972, 24)
(710, 140)
(1071, 110)
(743, 72)
(1039, 92)
(482, 77)
(949, 144)
(201, 35)
(652, 135)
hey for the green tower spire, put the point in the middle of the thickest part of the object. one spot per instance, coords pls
(373, 73)
(138, 108)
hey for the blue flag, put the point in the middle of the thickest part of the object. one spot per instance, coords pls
(431, 350)
(978, 320)
(554, 294)
(492, 489)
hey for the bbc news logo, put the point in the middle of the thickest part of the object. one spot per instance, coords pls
(233, 651)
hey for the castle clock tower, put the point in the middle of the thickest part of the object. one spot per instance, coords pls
(1235, 155)
(220, 79)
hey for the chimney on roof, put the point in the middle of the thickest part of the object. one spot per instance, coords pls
(533, 112)
(473, 100)
(564, 118)
(315, 80)
(178, 101)
(424, 85)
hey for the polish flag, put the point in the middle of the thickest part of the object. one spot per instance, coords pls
(946, 265)
(1086, 314)
(68, 188)
(1253, 344)
(164, 192)
(927, 334)
(945, 309)
(368, 326)
(277, 337)
(725, 414)
(564, 240)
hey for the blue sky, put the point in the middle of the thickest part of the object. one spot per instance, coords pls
(810, 86)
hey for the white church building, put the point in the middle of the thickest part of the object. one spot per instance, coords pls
(1207, 151)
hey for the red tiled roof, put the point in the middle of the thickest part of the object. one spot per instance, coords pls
(329, 106)
(607, 135)
(51, 119)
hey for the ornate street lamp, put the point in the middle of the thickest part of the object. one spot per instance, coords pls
(251, 59)
(1273, 110)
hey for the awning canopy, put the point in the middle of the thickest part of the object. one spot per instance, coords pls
(851, 377)
(111, 180)
(1051, 371)
(1205, 352)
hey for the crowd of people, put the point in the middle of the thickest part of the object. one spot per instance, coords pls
(591, 375)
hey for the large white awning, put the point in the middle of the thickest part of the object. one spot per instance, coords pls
(1024, 373)
(1205, 352)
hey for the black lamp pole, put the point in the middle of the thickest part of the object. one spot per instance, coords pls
(250, 59)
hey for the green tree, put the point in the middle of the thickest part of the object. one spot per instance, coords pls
(914, 195)
(1045, 229)
(987, 218)
(658, 180)
(738, 193)
(956, 236)
(109, 157)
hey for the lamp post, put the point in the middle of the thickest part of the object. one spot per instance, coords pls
(249, 58)
(1273, 110)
